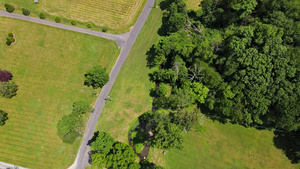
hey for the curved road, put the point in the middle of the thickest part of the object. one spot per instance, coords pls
(125, 42)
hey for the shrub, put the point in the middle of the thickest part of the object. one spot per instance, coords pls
(12, 40)
(96, 77)
(89, 25)
(8, 89)
(8, 42)
(5, 76)
(104, 29)
(73, 22)
(10, 35)
(9, 8)
(3, 117)
(42, 15)
(57, 19)
(25, 12)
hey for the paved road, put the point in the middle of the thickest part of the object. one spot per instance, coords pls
(9, 166)
(119, 38)
(125, 42)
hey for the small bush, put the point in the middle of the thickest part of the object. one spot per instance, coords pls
(10, 35)
(25, 12)
(8, 42)
(3, 117)
(42, 15)
(12, 40)
(57, 19)
(9, 8)
(73, 22)
(8, 89)
(5, 76)
(104, 29)
(89, 25)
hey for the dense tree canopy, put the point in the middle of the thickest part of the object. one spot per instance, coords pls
(239, 58)
(96, 77)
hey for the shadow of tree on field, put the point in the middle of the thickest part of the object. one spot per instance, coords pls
(289, 142)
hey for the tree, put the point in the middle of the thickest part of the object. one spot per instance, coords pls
(81, 107)
(8, 89)
(42, 15)
(121, 156)
(162, 90)
(9, 8)
(103, 143)
(166, 136)
(96, 77)
(5, 76)
(3, 117)
(146, 164)
(25, 12)
(57, 19)
(70, 127)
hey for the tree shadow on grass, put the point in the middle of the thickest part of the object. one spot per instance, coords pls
(289, 142)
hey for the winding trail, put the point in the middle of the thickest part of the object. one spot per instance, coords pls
(125, 42)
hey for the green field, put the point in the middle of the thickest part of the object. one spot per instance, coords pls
(130, 93)
(119, 15)
(220, 146)
(48, 65)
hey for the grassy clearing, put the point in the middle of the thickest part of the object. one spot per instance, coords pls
(118, 15)
(48, 64)
(225, 146)
(130, 93)
(192, 4)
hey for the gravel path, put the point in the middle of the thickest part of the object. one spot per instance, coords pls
(125, 42)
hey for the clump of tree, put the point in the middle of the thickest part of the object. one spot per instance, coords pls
(3, 117)
(9, 8)
(96, 77)
(107, 153)
(8, 88)
(10, 39)
(70, 127)
(25, 12)
(73, 22)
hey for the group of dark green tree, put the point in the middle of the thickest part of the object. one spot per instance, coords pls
(237, 59)
(8, 89)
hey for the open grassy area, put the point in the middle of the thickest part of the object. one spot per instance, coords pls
(192, 4)
(130, 93)
(48, 65)
(225, 146)
(119, 15)
(220, 146)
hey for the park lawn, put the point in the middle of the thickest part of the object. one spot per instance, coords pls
(225, 146)
(48, 64)
(130, 93)
(118, 15)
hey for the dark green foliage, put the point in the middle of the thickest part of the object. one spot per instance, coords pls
(10, 39)
(10, 35)
(89, 25)
(146, 164)
(8, 89)
(57, 19)
(104, 29)
(70, 127)
(162, 90)
(120, 156)
(103, 143)
(73, 22)
(25, 12)
(9, 8)
(81, 107)
(96, 77)
(3, 117)
(42, 15)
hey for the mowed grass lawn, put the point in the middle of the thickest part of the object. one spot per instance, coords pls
(220, 146)
(119, 15)
(48, 65)
(130, 93)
